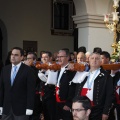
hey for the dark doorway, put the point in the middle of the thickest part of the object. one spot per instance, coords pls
(1, 38)
(75, 34)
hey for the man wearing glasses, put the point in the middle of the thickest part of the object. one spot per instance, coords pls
(81, 108)
(31, 61)
(65, 89)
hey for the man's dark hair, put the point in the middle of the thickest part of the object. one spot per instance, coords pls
(20, 49)
(48, 53)
(34, 55)
(71, 53)
(106, 54)
(84, 100)
(66, 50)
(97, 49)
(82, 49)
(41, 52)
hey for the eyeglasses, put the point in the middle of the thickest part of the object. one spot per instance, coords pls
(77, 110)
(29, 58)
(61, 56)
(45, 57)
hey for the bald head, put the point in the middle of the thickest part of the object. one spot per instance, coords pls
(81, 57)
(87, 54)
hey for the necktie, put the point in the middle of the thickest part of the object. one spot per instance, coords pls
(14, 71)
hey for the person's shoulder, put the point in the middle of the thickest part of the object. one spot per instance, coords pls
(117, 75)
(71, 71)
(25, 66)
(7, 66)
(103, 71)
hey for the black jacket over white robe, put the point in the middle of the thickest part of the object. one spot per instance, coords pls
(102, 91)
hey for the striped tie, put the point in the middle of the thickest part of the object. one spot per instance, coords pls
(14, 71)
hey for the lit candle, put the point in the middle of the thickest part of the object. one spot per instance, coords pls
(106, 18)
(115, 16)
(116, 3)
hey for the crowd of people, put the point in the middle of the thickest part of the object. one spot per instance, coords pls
(29, 93)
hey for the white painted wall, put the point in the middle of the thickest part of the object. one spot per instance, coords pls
(90, 23)
(92, 37)
(100, 38)
(30, 20)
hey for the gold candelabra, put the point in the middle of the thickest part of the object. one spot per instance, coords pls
(114, 26)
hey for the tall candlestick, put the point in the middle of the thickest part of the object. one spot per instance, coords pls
(114, 27)
(116, 3)
(115, 16)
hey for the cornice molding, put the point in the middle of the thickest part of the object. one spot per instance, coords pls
(89, 20)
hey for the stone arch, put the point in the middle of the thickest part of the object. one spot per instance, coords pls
(93, 6)
(80, 6)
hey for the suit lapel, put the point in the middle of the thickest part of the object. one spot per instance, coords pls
(64, 73)
(101, 74)
(9, 74)
(63, 76)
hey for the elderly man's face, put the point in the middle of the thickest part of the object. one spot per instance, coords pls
(79, 113)
(95, 61)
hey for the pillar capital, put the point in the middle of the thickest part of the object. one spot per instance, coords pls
(89, 20)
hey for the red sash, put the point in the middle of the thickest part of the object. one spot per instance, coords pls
(117, 96)
(37, 92)
(57, 95)
(84, 92)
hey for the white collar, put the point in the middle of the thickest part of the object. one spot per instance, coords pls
(92, 72)
(64, 66)
(18, 65)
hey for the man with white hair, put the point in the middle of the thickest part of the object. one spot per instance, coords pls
(87, 54)
(81, 59)
(98, 87)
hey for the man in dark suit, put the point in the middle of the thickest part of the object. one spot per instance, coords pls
(116, 81)
(31, 61)
(105, 56)
(17, 88)
(65, 88)
(47, 91)
(98, 87)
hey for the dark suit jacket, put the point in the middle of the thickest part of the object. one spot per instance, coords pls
(115, 80)
(103, 91)
(66, 87)
(48, 90)
(20, 96)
